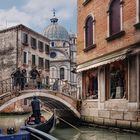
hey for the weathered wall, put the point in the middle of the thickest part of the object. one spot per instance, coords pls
(7, 53)
(115, 114)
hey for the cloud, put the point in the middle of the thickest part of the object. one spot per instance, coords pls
(36, 13)
(13, 17)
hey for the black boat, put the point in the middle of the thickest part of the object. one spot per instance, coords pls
(45, 126)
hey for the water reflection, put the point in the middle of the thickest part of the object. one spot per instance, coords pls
(87, 133)
(15, 121)
(92, 134)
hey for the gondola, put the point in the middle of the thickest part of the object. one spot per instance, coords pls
(45, 126)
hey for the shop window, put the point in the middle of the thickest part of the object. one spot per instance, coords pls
(91, 84)
(62, 73)
(40, 46)
(33, 43)
(117, 80)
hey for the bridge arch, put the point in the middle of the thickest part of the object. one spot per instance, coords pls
(58, 97)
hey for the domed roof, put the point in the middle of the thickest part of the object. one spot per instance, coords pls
(55, 31)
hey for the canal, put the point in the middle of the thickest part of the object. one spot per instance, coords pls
(68, 133)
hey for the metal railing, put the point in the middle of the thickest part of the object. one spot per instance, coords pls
(18, 84)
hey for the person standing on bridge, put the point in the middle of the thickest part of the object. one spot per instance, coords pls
(34, 73)
(55, 84)
(35, 103)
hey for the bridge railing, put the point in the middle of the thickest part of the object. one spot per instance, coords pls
(24, 83)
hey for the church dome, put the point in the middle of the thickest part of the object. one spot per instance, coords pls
(55, 31)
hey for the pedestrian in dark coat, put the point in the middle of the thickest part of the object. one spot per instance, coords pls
(55, 85)
(17, 78)
(34, 73)
(36, 109)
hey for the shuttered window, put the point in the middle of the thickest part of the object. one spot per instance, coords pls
(33, 43)
(89, 32)
(114, 10)
(47, 64)
(62, 75)
(41, 62)
(33, 60)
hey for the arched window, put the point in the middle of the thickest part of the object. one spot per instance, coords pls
(62, 73)
(52, 44)
(89, 32)
(114, 17)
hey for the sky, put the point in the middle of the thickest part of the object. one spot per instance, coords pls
(36, 14)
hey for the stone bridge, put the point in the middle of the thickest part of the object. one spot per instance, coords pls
(64, 103)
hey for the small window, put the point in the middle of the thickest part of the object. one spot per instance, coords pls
(25, 38)
(33, 60)
(40, 46)
(89, 32)
(52, 44)
(33, 43)
(41, 62)
(62, 73)
(114, 17)
(25, 59)
(46, 49)
(47, 64)
(47, 81)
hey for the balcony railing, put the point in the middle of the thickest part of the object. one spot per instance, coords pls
(12, 85)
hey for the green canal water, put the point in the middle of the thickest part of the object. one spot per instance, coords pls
(87, 133)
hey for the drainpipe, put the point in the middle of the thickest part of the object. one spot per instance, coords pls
(17, 46)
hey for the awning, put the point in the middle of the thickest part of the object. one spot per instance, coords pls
(103, 60)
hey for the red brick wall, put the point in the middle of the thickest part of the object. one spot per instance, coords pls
(98, 8)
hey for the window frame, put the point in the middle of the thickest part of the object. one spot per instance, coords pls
(137, 25)
(119, 33)
(41, 64)
(25, 39)
(34, 64)
(40, 46)
(47, 49)
(33, 43)
(47, 64)
(25, 59)
(88, 89)
(87, 48)
(62, 76)
(108, 80)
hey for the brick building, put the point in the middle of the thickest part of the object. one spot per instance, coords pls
(108, 59)
(22, 47)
